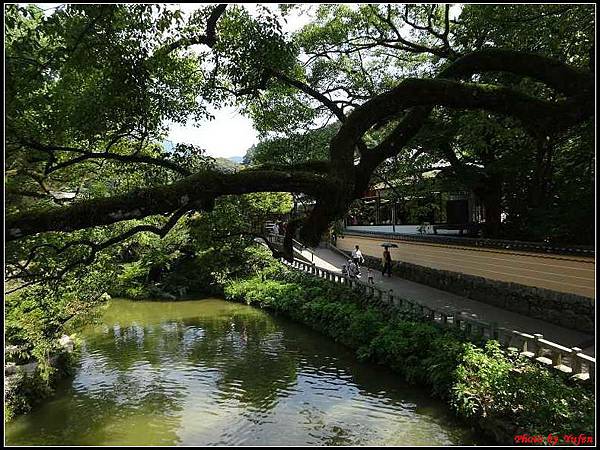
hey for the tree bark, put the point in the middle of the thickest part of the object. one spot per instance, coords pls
(491, 197)
(202, 187)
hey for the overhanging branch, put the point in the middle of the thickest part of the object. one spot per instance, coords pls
(123, 158)
(555, 74)
(199, 189)
(209, 38)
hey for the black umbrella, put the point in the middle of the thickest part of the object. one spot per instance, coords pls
(389, 244)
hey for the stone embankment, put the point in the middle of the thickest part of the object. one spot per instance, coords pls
(13, 372)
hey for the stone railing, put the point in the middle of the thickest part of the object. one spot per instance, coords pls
(566, 360)
(278, 240)
(298, 247)
(275, 238)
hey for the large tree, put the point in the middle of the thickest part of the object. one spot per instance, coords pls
(90, 87)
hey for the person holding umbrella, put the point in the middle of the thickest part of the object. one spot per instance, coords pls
(387, 258)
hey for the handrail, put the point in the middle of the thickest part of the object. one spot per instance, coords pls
(278, 239)
(564, 359)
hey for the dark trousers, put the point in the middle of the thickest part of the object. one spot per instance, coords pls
(357, 262)
(387, 267)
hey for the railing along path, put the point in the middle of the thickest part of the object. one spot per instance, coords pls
(567, 360)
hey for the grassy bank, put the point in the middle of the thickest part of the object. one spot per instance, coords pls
(500, 393)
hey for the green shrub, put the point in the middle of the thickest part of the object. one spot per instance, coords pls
(26, 392)
(538, 401)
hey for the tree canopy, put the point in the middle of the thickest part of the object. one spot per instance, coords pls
(502, 95)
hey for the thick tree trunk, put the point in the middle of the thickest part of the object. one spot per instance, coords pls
(491, 196)
(492, 218)
(542, 177)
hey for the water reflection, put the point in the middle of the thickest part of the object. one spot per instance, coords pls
(211, 372)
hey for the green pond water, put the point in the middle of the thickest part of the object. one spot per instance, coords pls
(210, 372)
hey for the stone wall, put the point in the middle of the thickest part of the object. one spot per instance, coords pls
(568, 310)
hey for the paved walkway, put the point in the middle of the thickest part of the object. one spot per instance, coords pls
(426, 295)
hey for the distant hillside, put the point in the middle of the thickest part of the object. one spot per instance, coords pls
(228, 164)
(236, 159)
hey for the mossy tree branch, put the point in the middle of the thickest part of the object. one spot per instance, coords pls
(203, 187)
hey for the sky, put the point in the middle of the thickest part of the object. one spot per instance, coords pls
(229, 133)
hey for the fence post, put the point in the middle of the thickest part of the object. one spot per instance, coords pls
(468, 327)
(556, 358)
(576, 367)
(503, 336)
(539, 349)
(494, 331)
(481, 330)
(431, 314)
(457, 319)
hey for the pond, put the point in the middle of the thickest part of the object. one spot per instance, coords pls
(211, 372)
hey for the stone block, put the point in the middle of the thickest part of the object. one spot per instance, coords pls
(10, 368)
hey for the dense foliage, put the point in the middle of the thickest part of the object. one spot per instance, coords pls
(92, 85)
(504, 393)
(95, 202)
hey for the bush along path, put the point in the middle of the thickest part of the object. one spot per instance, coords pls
(503, 395)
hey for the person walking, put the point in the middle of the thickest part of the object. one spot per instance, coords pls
(370, 276)
(352, 269)
(387, 262)
(357, 257)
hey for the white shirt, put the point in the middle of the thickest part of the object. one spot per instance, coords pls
(356, 254)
